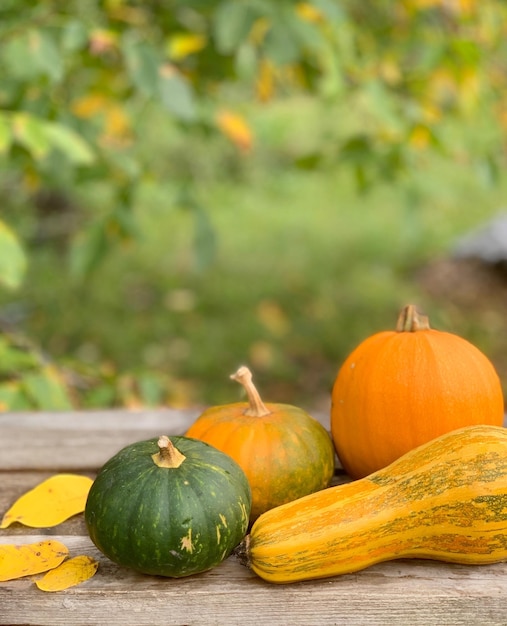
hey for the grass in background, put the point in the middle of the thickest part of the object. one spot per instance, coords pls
(305, 269)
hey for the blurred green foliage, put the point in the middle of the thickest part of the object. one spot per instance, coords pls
(109, 106)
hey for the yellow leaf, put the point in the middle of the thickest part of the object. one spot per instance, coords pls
(259, 30)
(420, 137)
(390, 71)
(117, 123)
(265, 83)
(51, 502)
(89, 106)
(236, 129)
(466, 7)
(184, 44)
(309, 13)
(68, 574)
(115, 119)
(469, 87)
(17, 561)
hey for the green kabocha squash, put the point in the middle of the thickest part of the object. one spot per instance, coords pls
(170, 507)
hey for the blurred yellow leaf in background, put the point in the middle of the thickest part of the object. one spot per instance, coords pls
(265, 82)
(420, 137)
(90, 105)
(51, 502)
(309, 13)
(68, 574)
(235, 128)
(17, 561)
(116, 122)
(183, 45)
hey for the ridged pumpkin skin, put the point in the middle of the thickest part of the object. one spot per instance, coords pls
(168, 521)
(400, 389)
(446, 500)
(284, 452)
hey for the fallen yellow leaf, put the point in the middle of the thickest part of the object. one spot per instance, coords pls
(68, 574)
(51, 502)
(26, 559)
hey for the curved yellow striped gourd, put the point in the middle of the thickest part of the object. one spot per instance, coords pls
(445, 500)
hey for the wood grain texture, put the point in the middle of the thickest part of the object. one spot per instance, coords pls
(84, 441)
(398, 593)
(408, 593)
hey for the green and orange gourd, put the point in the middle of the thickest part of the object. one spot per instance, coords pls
(445, 500)
(284, 452)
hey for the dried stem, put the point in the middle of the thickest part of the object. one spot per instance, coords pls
(242, 552)
(410, 320)
(167, 455)
(257, 407)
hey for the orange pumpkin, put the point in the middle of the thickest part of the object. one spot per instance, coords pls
(400, 389)
(284, 452)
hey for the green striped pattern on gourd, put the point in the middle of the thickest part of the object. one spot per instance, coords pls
(446, 500)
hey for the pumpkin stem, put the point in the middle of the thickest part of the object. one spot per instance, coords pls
(257, 407)
(167, 455)
(410, 320)
(242, 552)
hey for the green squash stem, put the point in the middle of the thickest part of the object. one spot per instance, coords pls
(167, 455)
(257, 407)
(411, 321)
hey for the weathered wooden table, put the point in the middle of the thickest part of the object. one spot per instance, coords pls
(36, 446)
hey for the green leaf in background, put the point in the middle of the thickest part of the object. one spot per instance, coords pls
(331, 9)
(288, 37)
(14, 358)
(205, 243)
(88, 250)
(231, 24)
(246, 61)
(74, 36)
(30, 132)
(12, 258)
(176, 94)
(142, 64)
(47, 390)
(357, 149)
(74, 147)
(5, 134)
(310, 161)
(17, 58)
(151, 388)
(45, 55)
(13, 397)
(124, 222)
(280, 45)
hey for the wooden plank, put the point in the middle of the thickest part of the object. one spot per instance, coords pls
(404, 593)
(80, 441)
(84, 441)
(399, 593)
